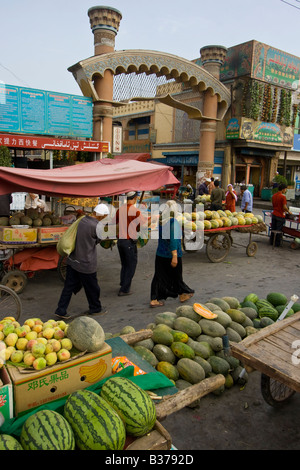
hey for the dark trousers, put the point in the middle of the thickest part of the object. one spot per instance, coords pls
(277, 224)
(128, 256)
(73, 283)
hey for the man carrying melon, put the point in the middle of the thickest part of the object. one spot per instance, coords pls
(82, 265)
(167, 280)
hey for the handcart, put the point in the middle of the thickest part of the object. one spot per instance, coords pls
(12, 272)
(218, 241)
(274, 352)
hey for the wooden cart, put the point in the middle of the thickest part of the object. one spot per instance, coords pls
(274, 351)
(218, 241)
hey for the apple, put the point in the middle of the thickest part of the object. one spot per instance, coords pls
(31, 335)
(38, 350)
(21, 331)
(63, 355)
(28, 358)
(51, 358)
(11, 339)
(56, 345)
(9, 328)
(30, 344)
(41, 339)
(66, 343)
(30, 322)
(2, 336)
(16, 356)
(61, 324)
(59, 334)
(9, 351)
(48, 333)
(39, 363)
(21, 344)
(37, 328)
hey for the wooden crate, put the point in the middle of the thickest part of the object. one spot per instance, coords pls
(272, 350)
(157, 439)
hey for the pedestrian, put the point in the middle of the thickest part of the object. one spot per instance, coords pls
(167, 280)
(247, 202)
(129, 219)
(82, 264)
(280, 210)
(230, 198)
(203, 188)
(217, 197)
(5, 202)
(211, 185)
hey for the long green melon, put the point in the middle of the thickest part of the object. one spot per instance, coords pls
(9, 443)
(276, 298)
(133, 405)
(47, 430)
(95, 423)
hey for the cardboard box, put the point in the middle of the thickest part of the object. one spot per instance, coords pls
(18, 235)
(35, 388)
(51, 234)
(6, 395)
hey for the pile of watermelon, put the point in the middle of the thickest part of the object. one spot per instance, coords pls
(89, 421)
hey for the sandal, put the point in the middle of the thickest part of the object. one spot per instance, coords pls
(185, 297)
(158, 303)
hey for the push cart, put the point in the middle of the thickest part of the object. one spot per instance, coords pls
(12, 276)
(218, 241)
(274, 351)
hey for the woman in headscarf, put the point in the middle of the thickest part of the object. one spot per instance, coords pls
(230, 198)
(167, 280)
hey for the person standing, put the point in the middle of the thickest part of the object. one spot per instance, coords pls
(129, 218)
(167, 280)
(203, 188)
(211, 185)
(217, 197)
(280, 209)
(247, 202)
(230, 198)
(82, 265)
(5, 202)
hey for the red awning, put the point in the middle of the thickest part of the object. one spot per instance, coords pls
(105, 177)
(141, 157)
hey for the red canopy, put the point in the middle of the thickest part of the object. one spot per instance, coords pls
(141, 157)
(105, 177)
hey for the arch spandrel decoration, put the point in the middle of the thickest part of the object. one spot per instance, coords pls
(152, 62)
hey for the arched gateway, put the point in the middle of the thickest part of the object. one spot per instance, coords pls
(95, 77)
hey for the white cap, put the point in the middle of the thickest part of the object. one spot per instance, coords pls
(131, 194)
(101, 209)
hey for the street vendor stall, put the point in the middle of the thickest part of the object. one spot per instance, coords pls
(107, 177)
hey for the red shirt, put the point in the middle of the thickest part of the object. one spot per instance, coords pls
(130, 219)
(278, 201)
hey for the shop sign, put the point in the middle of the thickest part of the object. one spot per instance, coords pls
(117, 139)
(32, 111)
(233, 129)
(259, 131)
(297, 142)
(47, 143)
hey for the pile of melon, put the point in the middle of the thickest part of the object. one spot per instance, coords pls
(187, 347)
(220, 218)
(33, 218)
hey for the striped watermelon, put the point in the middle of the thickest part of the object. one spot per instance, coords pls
(9, 443)
(133, 404)
(47, 430)
(95, 423)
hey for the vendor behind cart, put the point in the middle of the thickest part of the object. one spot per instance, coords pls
(33, 201)
(280, 210)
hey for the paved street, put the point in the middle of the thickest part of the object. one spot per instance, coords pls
(239, 419)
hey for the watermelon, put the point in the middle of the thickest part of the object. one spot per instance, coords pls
(275, 298)
(251, 298)
(268, 312)
(133, 404)
(95, 424)
(47, 430)
(9, 443)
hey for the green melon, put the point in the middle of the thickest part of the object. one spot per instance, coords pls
(146, 354)
(133, 405)
(188, 312)
(219, 365)
(182, 350)
(212, 328)
(190, 370)
(201, 348)
(164, 353)
(47, 430)
(168, 369)
(86, 334)
(188, 326)
(166, 318)
(96, 425)
(275, 298)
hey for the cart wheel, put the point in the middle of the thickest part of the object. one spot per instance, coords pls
(251, 249)
(10, 304)
(15, 280)
(274, 393)
(62, 268)
(218, 247)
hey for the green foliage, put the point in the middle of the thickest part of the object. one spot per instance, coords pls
(5, 157)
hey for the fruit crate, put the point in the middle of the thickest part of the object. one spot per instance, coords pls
(157, 439)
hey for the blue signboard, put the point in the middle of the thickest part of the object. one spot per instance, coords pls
(31, 111)
(296, 142)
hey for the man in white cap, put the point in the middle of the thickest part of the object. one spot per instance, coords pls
(82, 265)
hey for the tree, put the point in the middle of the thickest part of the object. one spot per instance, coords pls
(5, 157)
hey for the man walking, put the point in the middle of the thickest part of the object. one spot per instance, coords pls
(247, 202)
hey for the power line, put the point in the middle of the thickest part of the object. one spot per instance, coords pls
(291, 5)
(19, 79)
